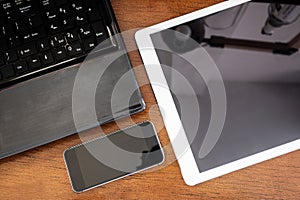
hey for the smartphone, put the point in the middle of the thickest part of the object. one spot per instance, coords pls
(114, 156)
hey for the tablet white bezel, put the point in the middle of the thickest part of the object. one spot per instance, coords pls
(187, 163)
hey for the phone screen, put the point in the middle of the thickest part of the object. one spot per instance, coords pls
(114, 156)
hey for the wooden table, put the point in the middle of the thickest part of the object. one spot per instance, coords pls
(41, 174)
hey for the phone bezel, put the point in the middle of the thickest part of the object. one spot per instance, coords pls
(77, 190)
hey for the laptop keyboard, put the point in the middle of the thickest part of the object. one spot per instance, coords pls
(38, 35)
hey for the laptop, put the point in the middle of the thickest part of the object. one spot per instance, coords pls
(42, 45)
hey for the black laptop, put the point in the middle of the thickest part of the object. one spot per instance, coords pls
(42, 46)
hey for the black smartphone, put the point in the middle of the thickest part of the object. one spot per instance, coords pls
(113, 156)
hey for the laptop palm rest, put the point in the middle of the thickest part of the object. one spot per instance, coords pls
(40, 110)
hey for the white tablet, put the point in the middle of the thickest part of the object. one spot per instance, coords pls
(227, 81)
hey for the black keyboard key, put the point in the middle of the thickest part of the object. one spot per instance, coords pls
(19, 3)
(8, 71)
(47, 58)
(21, 67)
(71, 35)
(22, 25)
(89, 44)
(55, 27)
(33, 35)
(93, 14)
(11, 15)
(26, 37)
(7, 29)
(93, 11)
(74, 49)
(64, 11)
(85, 31)
(60, 54)
(26, 9)
(3, 43)
(10, 56)
(17, 26)
(35, 20)
(6, 5)
(24, 3)
(61, 2)
(57, 41)
(46, 4)
(14, 41)
(68, 23)
(34, 62)
(43, 45)
(52, 15)
(27, 50)
(80, 19)
(77, 6)
(99, 31)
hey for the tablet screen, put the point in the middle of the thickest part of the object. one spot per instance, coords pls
(255, 49)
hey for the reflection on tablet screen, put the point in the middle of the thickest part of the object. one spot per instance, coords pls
(259, 61)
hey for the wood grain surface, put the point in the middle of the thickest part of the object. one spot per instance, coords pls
(41, 174)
